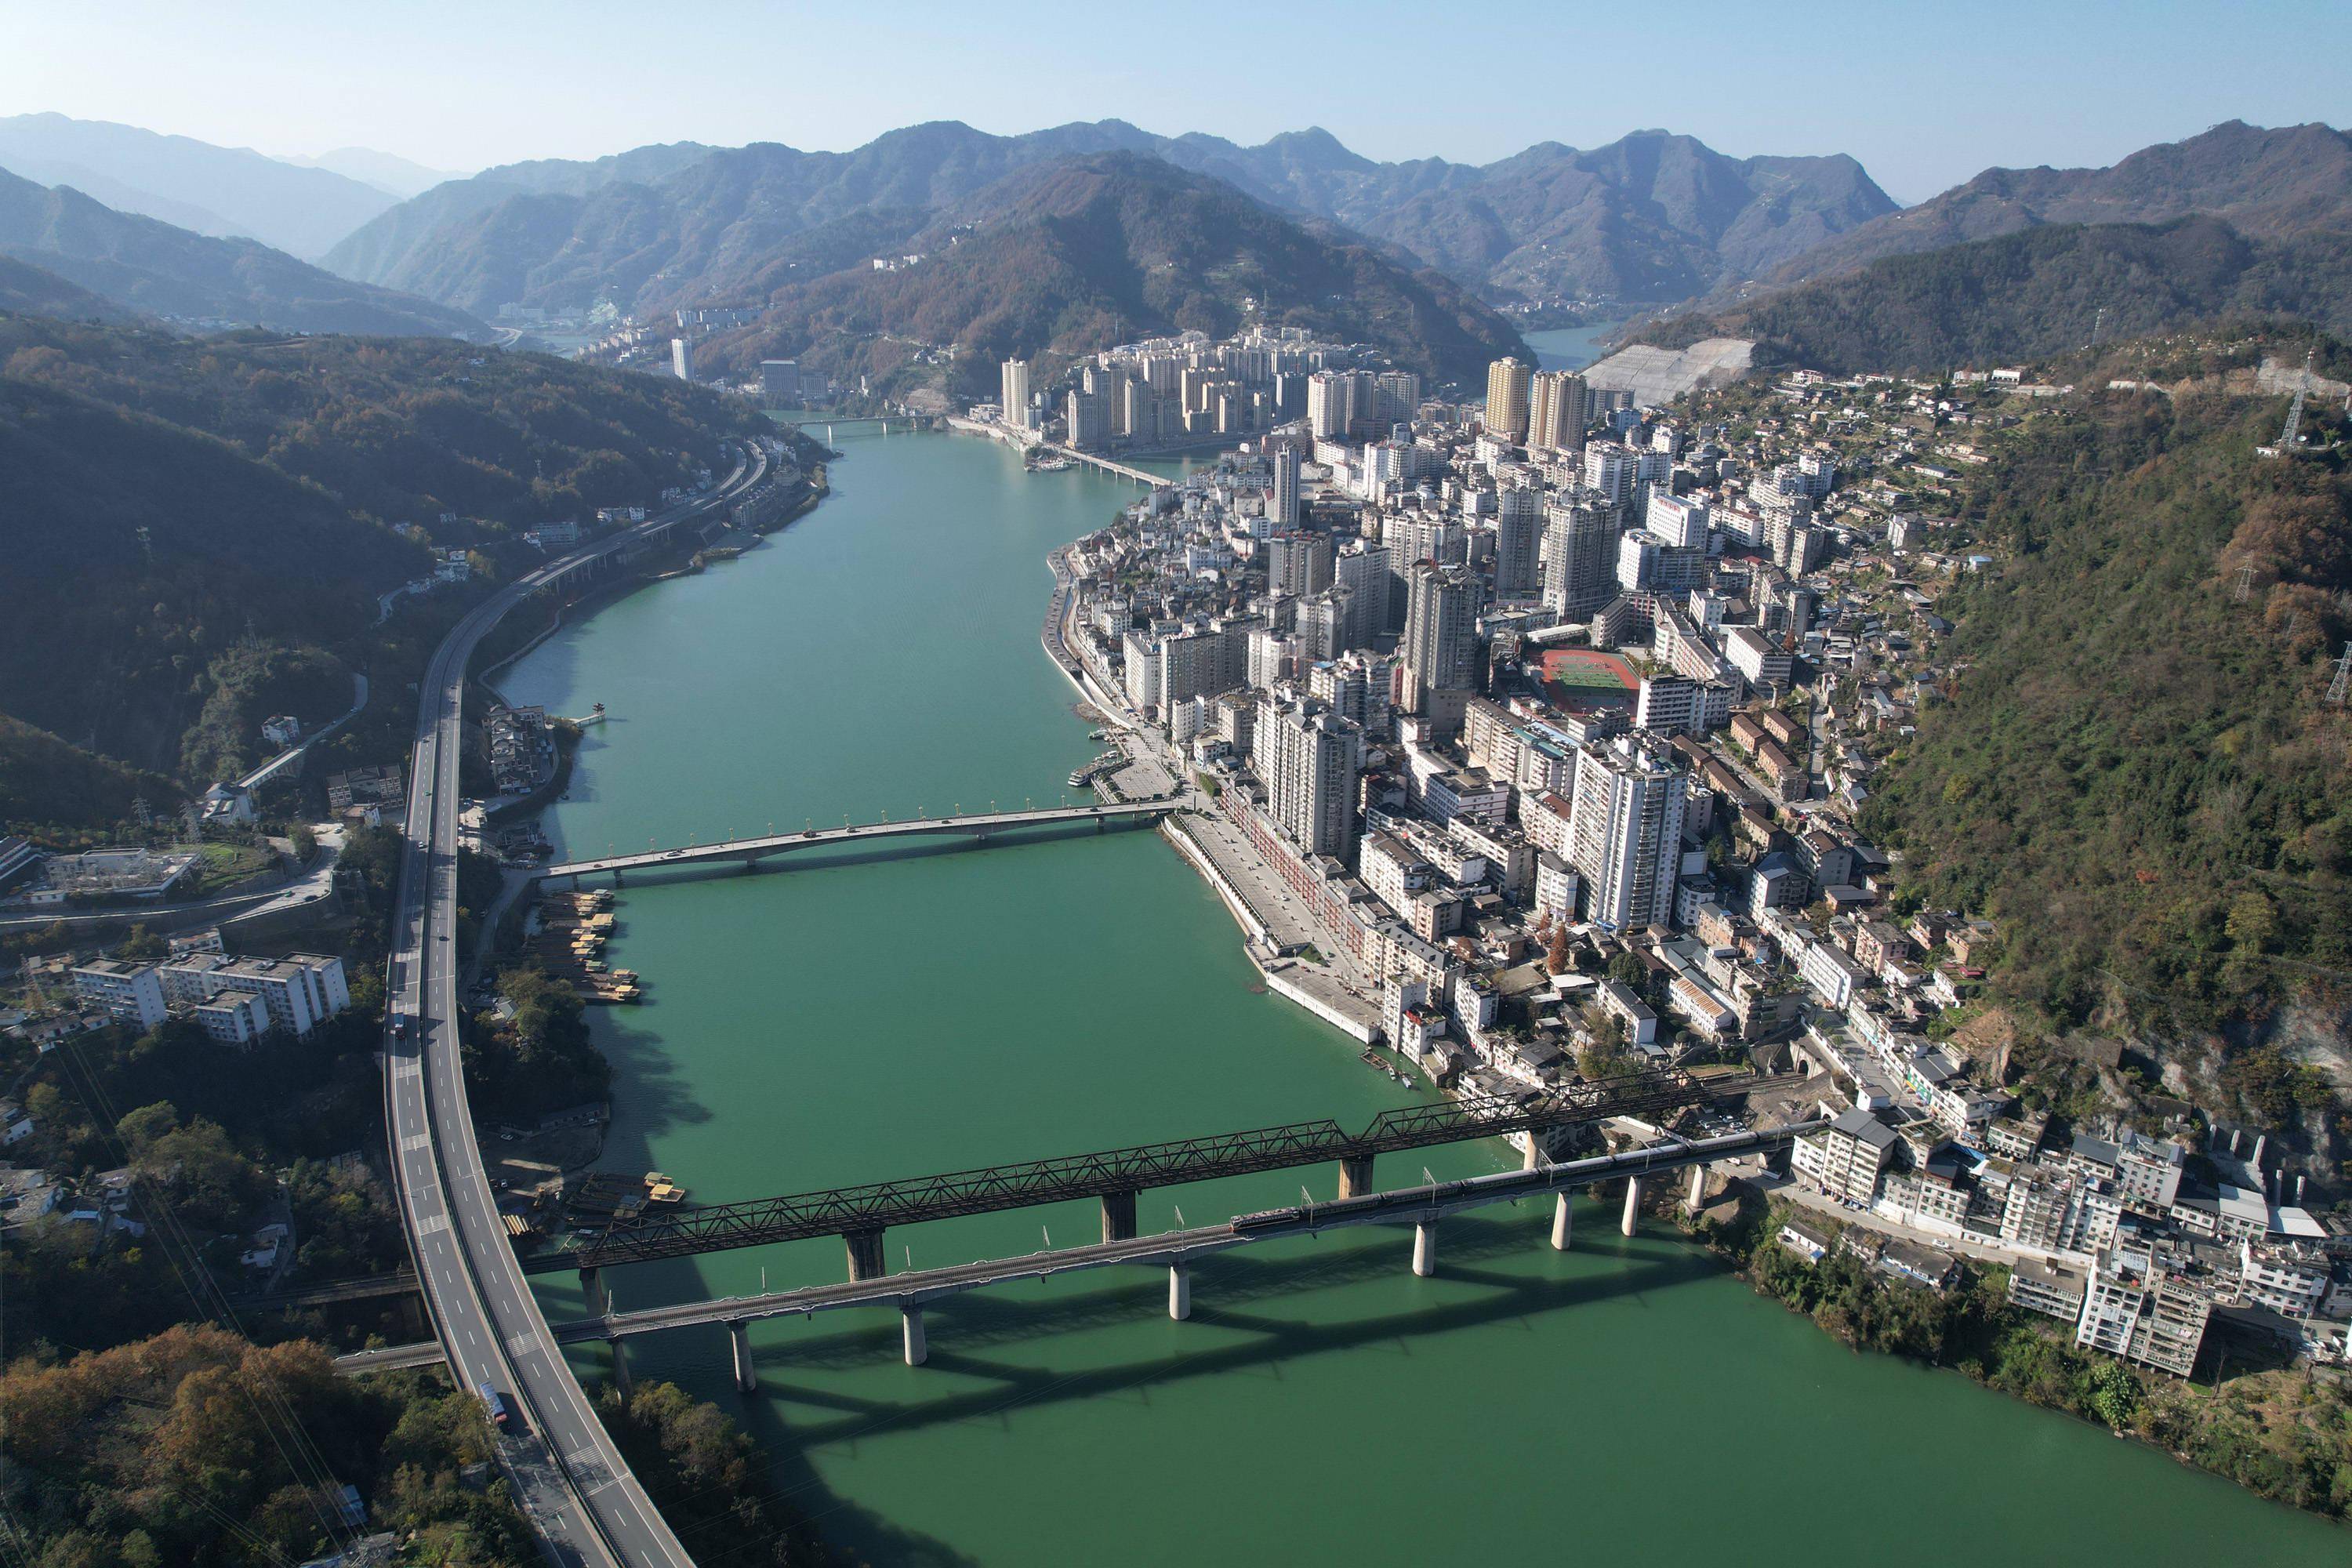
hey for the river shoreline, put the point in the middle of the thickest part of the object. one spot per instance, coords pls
(1083, 995)
(1259, 946)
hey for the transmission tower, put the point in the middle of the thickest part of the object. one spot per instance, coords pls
(2245, 584)
(2098, 326)
(2342, 685)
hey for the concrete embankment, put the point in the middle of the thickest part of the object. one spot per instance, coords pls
(1278, 981)
(1173, 830)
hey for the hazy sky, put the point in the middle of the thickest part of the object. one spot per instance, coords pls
(1925, 96)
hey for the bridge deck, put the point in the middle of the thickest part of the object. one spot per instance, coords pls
(915, 1286)
(874, 1207)
(764, 845)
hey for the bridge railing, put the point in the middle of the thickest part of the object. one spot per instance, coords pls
(1111, 1173)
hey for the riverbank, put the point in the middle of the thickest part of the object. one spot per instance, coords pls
(2282, 1434)
(869, 1020)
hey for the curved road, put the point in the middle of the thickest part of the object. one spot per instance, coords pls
(587, 1506)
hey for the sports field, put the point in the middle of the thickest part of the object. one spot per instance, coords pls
(1587, 678)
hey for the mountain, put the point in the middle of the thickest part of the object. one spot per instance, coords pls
(153, 267)
(403, 240)
(194, 527)
(388, 171)
(1065, 257)
(219, 191)
(2034, 293)
(30, 291)
(2266, 183)
(1652, 217)
(2136, 771)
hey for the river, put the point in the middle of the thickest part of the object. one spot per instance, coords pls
(1570, 348)
(828, 1024)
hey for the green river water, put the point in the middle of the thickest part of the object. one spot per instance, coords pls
(848, 1022)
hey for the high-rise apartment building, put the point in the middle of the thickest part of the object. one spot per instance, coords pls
(1282, 509)
(1507, 399)
(1609, 470)
(681, 358)
(1579, 552)
(1440, 650)
(1308, 758)
(1361, 579)
(1013, 392)
(1298, 563)
(1625, 833)
(1519, 540)
(1559, 405)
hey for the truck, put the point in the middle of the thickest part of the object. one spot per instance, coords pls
(496, 1404)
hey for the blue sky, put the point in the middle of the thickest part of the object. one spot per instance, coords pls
(1925, 96)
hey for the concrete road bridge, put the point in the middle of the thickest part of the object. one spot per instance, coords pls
(979, 827)
(1118, 1177)
(1423, 1207)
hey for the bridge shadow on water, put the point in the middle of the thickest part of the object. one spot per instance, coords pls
(979, 1336)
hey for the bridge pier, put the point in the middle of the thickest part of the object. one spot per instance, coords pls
(864, 1255)
(1633, 1206)
(910, 1334)
(1118, 1217)
(1355, 1176)
(739, 1339)
(1535, 1153)
(1424, 1249)
(592, 1292)
(621, 1382)
(1563, 1223)
(1179, 1291)
(1697, 1193)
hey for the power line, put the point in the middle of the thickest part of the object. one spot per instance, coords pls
(304, 1462)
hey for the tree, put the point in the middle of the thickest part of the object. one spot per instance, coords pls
(1556, 959)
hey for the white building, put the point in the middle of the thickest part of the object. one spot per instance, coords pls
(1763, 662)
(301, 992)
(1308, 759)
(1625, 833)
(1846, 1159)
(132, 992)
(1013, 395)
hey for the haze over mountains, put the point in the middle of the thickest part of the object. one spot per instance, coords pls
(219, 191)
(1409, 255)
(1653, 218)
(1065, 257)
(158, 269)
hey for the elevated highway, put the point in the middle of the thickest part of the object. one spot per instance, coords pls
(580, 1494)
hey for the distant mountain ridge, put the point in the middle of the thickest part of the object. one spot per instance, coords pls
(2037, 292)
(1064, 257)
(1652, 217)
(224, 192)
(2267, 184)
(398, 177)
(153, 267)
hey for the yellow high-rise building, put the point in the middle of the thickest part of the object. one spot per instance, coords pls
(1506, 398)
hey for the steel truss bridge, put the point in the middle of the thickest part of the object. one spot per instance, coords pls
(1117, 1176)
